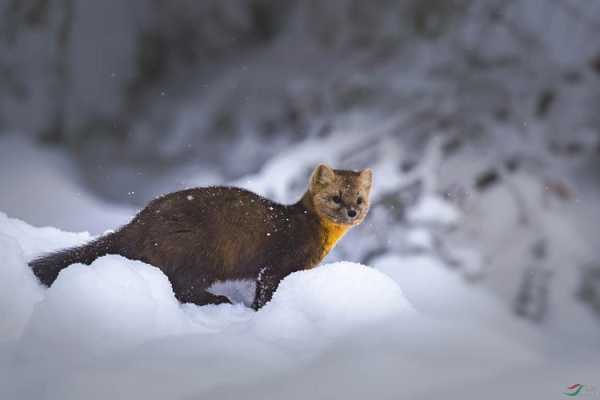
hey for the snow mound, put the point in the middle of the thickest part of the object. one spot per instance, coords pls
(18, 289)
(116, 303)
(114, 329)
(438, 292)
(435, 289)
(330, 300)
(112, 304)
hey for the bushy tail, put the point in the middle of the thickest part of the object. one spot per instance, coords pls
(47, 267)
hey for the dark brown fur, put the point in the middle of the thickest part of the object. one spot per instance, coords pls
(203, 235)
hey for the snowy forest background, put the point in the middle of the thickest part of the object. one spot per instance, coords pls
(479, 117)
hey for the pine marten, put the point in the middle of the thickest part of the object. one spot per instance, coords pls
(205, 235)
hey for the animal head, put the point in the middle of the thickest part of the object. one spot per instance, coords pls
(341, 196)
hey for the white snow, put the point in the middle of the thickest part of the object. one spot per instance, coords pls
(40, 187)
(419, 238)
(115, 330)
(113, 304)
(433, 210)
(330, 300)
(238, 290)
(410, 327)
(437, 291)
(18, 289)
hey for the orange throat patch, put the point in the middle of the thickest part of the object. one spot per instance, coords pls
(332, 234)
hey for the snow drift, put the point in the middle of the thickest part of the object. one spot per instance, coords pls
(115, 330)
(116, 302)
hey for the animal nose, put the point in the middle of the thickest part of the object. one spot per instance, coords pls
(351, 213)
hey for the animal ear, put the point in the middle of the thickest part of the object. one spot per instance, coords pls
(322, 175)
(366, 178)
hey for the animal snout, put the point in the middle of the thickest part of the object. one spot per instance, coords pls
(351, 213)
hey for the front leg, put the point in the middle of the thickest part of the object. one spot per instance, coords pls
(266, 284)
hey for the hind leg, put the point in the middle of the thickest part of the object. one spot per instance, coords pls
(197, 294)
(202, 298)
(190, 287)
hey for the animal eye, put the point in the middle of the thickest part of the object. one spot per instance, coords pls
(359, 200)
(337, 199)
